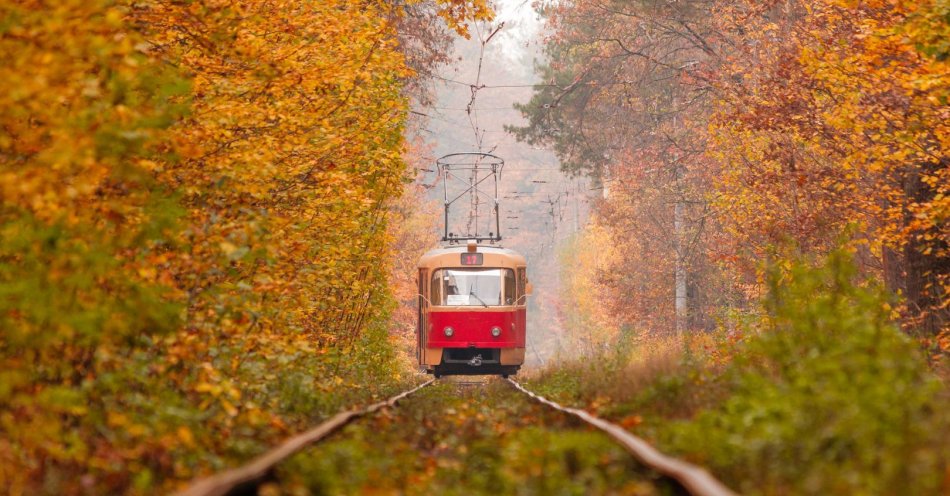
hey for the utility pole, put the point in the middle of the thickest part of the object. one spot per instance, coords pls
(576, 206)
(680, 268)
(680, 303)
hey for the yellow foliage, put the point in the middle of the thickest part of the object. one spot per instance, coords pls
(194, 199)
(587, 303)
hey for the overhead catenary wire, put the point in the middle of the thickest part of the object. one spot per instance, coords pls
(540, 171)
(533, 85)
(471, 110)
(474, 179)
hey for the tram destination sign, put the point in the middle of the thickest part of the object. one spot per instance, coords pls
(473, 258)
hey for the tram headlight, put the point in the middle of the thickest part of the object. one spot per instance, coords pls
(448, 332)
(496, 331)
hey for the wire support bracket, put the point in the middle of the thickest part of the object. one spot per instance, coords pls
(478, 174)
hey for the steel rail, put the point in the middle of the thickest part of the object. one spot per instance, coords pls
(693, 478)
(237, 479)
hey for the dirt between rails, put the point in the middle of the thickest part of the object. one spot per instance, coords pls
(471, 436)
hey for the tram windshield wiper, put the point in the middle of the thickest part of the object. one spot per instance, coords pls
(472, 293)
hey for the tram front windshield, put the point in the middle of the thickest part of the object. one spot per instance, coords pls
(467, 287)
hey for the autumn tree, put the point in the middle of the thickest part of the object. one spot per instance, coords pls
(835, 113)
(762, 124)
(194, 198)
(626, 99)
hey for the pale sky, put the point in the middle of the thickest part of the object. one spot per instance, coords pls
(522, 25)
(540, 206)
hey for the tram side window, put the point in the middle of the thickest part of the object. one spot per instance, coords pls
(510, 287)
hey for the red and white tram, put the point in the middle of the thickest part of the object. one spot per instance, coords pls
(472, 310)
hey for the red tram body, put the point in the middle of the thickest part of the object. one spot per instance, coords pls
(472, 310)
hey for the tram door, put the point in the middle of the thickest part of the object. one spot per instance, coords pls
(421, 330)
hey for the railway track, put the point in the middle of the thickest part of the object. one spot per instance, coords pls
(693, 478)
(462, 383)
(244, 479)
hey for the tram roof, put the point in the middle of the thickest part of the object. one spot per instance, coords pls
(436, 256)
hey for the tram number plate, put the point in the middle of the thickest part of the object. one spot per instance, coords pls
(473, 258)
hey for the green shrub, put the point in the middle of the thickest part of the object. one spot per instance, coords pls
(829, 398)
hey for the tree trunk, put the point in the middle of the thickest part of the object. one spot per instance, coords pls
(923, 264)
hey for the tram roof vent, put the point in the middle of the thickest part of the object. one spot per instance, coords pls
(472, 245)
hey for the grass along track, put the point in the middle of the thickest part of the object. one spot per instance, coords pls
(464, 436)
(458, 437)
(247, 478)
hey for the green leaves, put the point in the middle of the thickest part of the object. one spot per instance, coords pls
(830, 396)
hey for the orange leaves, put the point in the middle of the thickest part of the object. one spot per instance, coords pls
(631, 421)
(457, 13)
(299, 138)
(79, 101)
(769, 124)
(848, 128)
